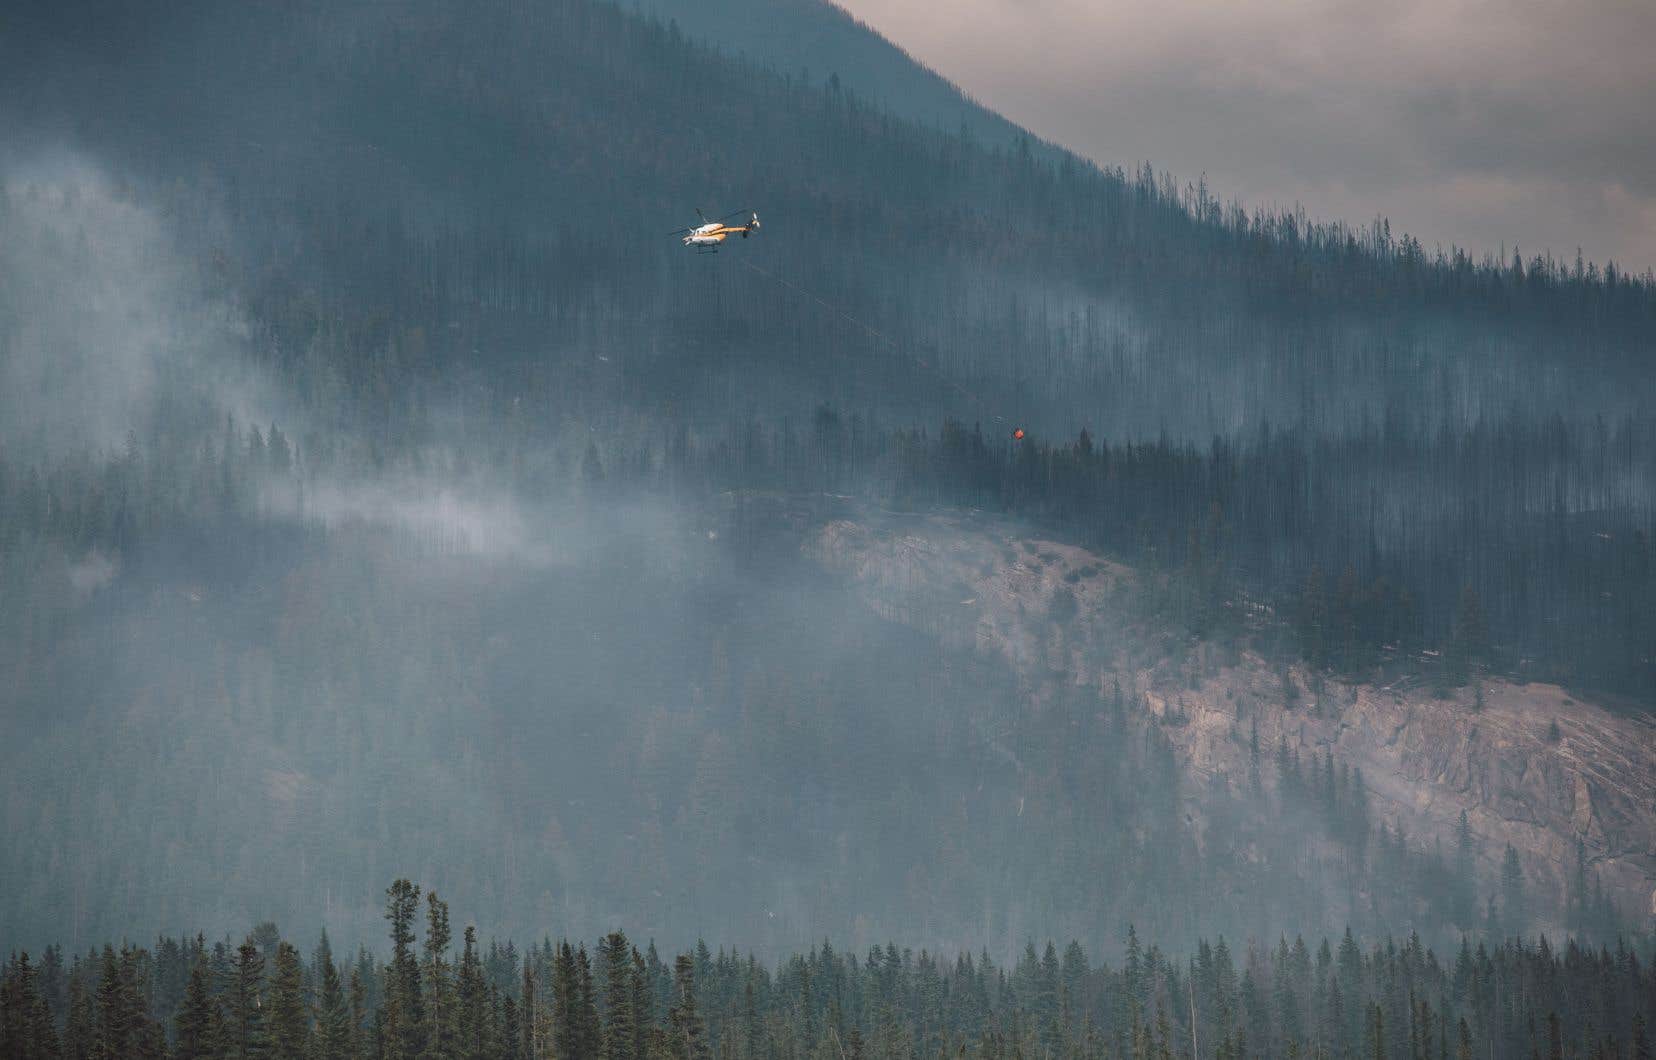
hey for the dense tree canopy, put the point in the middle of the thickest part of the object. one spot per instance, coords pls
(430, 449)
(1390, 999)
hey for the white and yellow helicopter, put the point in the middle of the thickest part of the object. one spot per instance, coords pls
(707, 236)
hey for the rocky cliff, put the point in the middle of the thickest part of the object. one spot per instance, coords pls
(1530, 764)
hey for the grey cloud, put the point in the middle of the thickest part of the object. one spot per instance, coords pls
(1351, 109)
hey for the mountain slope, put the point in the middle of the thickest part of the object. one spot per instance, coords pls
(515, 166)
(821, 40)
(1530, 766)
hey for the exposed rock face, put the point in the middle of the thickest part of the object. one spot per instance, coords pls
(1059, 613)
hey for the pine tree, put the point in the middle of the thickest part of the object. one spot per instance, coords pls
(289, 1015)
(643, 1005)
(53, 984)
(116, 1031)
(505, 1033)
(79, 1026)
(750, 1020)
(472, 1010)
(526, 1012)
(359, 1011)
(566, 1035)
(1132, 975)
(619, 1031)
(438, 1000)
(588, 1035)
(245, 1037)
(806, 1008)
(26, 1028)
(402, 1013)
(334, 1021)
(194, 1022)
(148, 1039)
(688, 1037)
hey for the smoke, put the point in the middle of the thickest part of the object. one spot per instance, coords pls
(112, 335)
(107, 331)
(430, 514)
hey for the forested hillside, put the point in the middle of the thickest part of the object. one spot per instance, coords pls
(381, 486)
(815, 42)
(442, 996)
(408, 234)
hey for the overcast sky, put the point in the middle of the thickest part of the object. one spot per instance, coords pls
(1477, 122)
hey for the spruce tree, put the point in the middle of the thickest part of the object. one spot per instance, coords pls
(359, 1012)
(333, 1010)
(565, 1001)
(289, 1015)
(53, 983)
(619, 1031)
(687, 1037)
(526, 1011)
(194, 1022)
(114, 1037)
(643, 1005)
(506, 1038)
(402, 1013)
(472, 1009)
(79, 1025)
(148, 1040)
(245, 1037)
(1376, 1044)
(750, 1020)
(588, 1034)
(26, 1028)
(438, 1001)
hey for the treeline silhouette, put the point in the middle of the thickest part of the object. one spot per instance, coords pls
(443, 227)
(1383, 999)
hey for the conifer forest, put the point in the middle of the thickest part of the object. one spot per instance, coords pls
(1006, 605)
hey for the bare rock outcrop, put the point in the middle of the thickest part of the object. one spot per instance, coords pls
(1529, 764)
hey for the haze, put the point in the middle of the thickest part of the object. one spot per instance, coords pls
(994, 547)
(1482, 123)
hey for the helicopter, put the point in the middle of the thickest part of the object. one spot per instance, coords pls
(707, 236)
